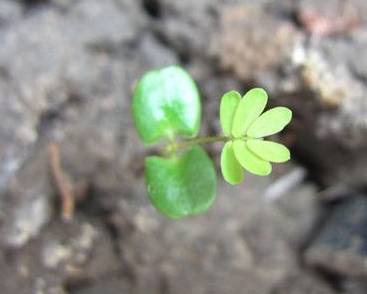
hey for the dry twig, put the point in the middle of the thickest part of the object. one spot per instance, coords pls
(63, 185)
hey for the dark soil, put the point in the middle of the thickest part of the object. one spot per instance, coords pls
(67, 70)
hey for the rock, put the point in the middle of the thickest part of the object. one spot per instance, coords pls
(313, 76)
(338, 114)
(17, 130)
(244, 47)
(243, 234)
(331, 17)
(355, 286)
(155, 54)
(107, 286)
(340, 246)
(187, 26)
(299, 204)
(65, 256)
(26, 206)
(54, 80)
(9, 11)
(299, 283)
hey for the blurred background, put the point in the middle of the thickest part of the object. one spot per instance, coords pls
(67, 71)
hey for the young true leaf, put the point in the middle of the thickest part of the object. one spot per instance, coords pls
(249, 108)
(183, 185)
(228, 107)
(166, 103)
(270, 122)
(231, 169)
(249, 160)
(270, 151)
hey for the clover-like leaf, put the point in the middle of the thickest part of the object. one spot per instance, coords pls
(231, 169)
(270, 151)
(250, 161)
(270, 122)
(183, 185)
(228, 106)
(166, 102)
(249, 108)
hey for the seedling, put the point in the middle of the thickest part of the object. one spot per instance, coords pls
(181, 180)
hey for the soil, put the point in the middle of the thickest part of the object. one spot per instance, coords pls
(67, 71)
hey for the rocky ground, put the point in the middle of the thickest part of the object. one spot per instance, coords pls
(67, 70)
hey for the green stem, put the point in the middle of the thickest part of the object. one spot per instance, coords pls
(201, 140)
(176, 146)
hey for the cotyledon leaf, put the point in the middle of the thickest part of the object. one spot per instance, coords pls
(270, 151)
(232, 171)
(183, 185)
(249, 108)
(228, 106)
(166, 102)
(270, 122)
(250, 161)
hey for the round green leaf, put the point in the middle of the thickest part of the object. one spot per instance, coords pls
(249, 108)
(250, 161)
(270, 122)
(270, 151)
(228, 106)
(183, 185)
(166, 102)
(231, 169)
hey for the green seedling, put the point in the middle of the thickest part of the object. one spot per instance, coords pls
(181, 180)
